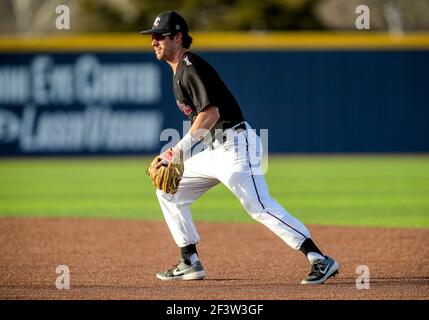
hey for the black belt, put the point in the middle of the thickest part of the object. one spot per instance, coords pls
(237, 127)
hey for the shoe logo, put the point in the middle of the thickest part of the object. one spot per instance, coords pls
(325, 270)
(177, 272)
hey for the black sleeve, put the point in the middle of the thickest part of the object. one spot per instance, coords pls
(201, 85)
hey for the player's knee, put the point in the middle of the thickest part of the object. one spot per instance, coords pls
(246, 204)
(256, 205)
(255, 210)
(173, 199)
(258, 211)
(255, 215)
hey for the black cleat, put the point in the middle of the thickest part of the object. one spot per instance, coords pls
(183, 271)
(321, 270)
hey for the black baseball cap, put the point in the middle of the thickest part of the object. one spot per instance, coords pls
(168, 22)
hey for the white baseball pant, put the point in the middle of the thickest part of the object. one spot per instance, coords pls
(236, 163)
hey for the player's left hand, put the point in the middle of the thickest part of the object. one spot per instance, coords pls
(168, 156)
(166, 177)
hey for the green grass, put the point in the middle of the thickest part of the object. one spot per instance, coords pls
(328, 190)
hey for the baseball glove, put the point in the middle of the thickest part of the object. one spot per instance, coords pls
(165, 171)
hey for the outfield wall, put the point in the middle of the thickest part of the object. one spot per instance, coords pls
(106, 94)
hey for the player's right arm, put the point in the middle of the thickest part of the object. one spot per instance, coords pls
(201, 126)
(204, 122)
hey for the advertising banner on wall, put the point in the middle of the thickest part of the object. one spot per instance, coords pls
(79, 103)
(108, 103)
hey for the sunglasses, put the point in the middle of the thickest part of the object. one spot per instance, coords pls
(157, 36)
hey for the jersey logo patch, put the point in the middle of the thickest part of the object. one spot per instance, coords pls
(185, 109)
(188, 63)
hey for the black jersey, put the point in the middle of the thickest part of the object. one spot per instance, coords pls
(197, 85)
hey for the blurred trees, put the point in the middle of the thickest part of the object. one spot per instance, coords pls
(38, 16)
(390, 15)
(207, 14)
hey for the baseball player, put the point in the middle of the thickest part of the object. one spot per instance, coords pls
(229, 157)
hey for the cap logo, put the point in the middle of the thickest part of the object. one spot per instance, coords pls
(156, 22)
(177, 26)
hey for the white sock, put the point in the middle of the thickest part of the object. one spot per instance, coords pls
(311, 256)
(193, 258)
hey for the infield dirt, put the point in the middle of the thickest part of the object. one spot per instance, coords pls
(118, 259)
